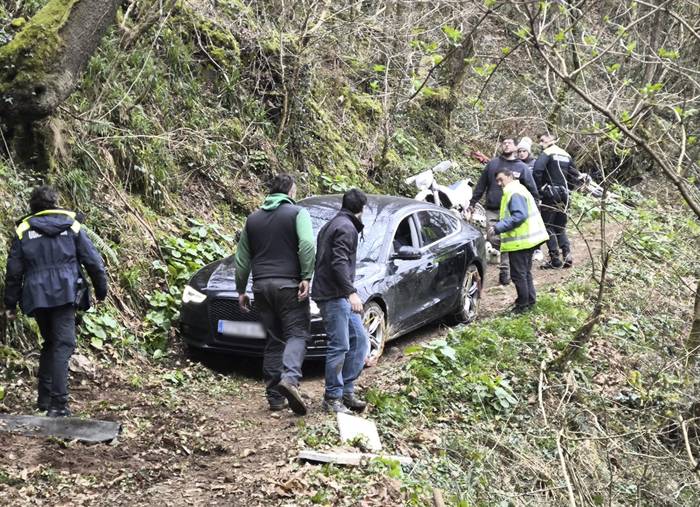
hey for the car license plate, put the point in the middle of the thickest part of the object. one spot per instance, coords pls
(241, 329)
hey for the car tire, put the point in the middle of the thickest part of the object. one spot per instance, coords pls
(374, 320)
(469, 296)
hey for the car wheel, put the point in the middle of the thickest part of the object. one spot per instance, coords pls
(470, 296)
(374, 321)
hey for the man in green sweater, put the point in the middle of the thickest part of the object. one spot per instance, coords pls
(277, 245)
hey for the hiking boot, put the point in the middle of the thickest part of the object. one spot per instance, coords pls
(519, 309)
(553, 263)
(353, 402)
(58, 412)
(504, 278)
(42, 406)
(568, 260)
(276, 406)
(291, 392)
(334, 406)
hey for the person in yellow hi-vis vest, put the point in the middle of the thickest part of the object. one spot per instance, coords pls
(522, 230)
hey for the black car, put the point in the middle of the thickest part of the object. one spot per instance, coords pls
(416, 263)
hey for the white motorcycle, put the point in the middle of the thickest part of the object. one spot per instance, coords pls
(455, 197)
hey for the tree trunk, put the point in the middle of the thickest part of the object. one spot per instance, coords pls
(42, 64)
(694, 337)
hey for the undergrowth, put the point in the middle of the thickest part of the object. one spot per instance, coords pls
(489, 421)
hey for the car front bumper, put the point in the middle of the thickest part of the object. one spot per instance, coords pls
(199, 329)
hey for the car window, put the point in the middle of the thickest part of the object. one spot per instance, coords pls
(403, 236)
(435, 225)
(371, 239)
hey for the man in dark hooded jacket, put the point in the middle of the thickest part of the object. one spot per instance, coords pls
(44, 277)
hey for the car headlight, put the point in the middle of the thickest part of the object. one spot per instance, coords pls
(314, 307)
(190, 295)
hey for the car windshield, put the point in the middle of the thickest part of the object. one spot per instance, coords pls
(371, 238)
(368, 249)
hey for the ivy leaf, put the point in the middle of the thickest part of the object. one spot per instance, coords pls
(413, 349)
(671, 55)
(452, 33)
(449, 352)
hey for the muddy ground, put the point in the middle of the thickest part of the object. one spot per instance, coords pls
(196, 433)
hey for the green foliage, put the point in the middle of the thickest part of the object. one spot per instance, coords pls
(453, 34)
(200, 245)
(474, 371)
(651, 89)
(101, 327)
(670, 54)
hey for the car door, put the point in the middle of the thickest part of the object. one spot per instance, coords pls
(443, 258)
(404, 278)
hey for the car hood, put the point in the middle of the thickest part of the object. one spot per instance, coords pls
(223, 276)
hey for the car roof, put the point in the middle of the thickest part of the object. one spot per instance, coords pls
(380, 204)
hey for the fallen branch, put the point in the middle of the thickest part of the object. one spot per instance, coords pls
(562, 462)
(438, 498)
(694, 464)
(543, 367)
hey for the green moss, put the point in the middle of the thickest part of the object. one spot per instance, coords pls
(364, 103)
(18, 23)
(439, 94)
(28, 57)
(270, 44)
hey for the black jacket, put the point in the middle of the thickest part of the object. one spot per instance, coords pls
(555, 167)
(43, 264)
(487, 181)
(336, 251)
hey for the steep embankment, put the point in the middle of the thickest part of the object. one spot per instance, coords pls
(171, 136)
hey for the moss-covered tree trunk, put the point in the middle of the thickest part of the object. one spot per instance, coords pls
(41, 66)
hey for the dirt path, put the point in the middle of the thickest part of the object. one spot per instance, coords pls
(193, 436)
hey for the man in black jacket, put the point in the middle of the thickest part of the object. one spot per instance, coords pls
(494, 193)
(340, 306)
(44, 277)
(277, 245)
(555, 172)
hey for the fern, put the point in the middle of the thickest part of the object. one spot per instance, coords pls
(102, 246)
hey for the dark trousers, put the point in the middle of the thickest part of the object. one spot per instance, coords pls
(555, 218)
(57, 326)
(287, 322)
(521, 275)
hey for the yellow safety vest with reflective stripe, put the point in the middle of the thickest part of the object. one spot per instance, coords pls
(531, 232)
(24, 225)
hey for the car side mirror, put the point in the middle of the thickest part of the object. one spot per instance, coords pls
(407, 253)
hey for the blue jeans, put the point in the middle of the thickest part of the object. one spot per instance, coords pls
(348, 346)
